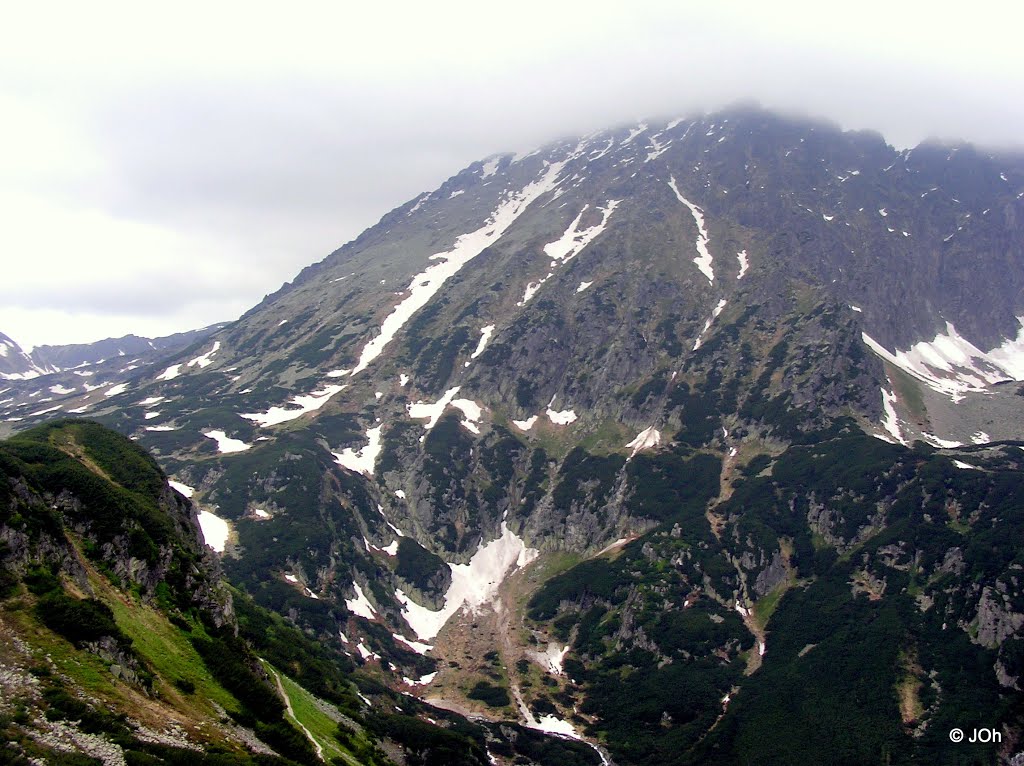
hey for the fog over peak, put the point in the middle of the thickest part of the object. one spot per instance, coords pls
(165, 171)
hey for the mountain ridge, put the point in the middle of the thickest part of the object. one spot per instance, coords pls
(638, 387)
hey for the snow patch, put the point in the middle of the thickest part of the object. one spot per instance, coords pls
(741, 256)
(552, 658)
(433, 411)
(59, 389)
(485, 336)
(890, 422)
(489, 168)
(569, 245)
(703, 260)
(170, 373)
(400, 493)
(364, 460)
(554, 725)
(215, 530)
(563, 418)
(952, 365)
(183, 489)
(204, 360)
(649, 437)
(360, 605)
(151, 401)
(417, 646)
(962, 464)
(366, 654)
(473, 585)
(403, 379)
(935, 441)
(472, 412)
(448, 263)
(707, 325)
(573, 240)
(525, 425)
(225, 443)
(980, 437)
(583, 286)
(307, 403)
(120, 388)
(633, 133)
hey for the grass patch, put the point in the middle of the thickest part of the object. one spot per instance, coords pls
(167, 651)
(309, 712)
(609, 436)
(765, 607)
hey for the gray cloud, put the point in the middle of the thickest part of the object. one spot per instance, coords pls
(240, 150)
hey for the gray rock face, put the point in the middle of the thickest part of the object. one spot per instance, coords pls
(996, 620)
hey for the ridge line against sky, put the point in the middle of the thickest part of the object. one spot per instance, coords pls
(163, 170)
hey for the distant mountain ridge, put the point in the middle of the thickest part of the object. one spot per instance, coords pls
(46, 359)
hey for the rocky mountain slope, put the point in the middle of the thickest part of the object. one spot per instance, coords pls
(122, 644)
(49, 378)
(679, 409)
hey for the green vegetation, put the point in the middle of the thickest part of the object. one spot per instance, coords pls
(490, 694)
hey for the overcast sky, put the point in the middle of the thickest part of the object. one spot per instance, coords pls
(160, 171)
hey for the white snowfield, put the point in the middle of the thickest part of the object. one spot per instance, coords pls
(184, 489)
(432, 411)
(707, 325)
(417, 646)
(360, 605)
(741, 256)
(568, 246)
(563, 418)
(554, 725)
(649, 437)
(552, 658)
(583, 286)
(485, 336)
(364, 460)
(952, 365)
(935, 441)
(303, 404)
(170, 373)
(205, 360)
(446, 264)
(473, 585)
(573, 239)
(703, 260)
(526, 425)
(225, 443)
(215, 530)
(120, 388)
(890, 422)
